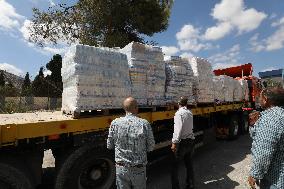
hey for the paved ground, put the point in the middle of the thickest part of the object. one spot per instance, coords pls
(220, 165)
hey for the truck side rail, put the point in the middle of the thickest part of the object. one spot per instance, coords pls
(10, 134)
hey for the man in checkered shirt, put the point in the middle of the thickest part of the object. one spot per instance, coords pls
(268, 142)
(132, 138)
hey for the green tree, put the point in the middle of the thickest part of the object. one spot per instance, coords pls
(11, 90)
(39, 85)
(100, 22)
(26, 87)
(270, 83)
(54, 80)
(2, 78)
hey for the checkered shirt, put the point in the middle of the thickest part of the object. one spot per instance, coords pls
(268, 147)
(132, 138)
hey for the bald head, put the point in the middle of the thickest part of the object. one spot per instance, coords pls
(130, 105)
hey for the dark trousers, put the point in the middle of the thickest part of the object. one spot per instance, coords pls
(264, 184)
(184, 153)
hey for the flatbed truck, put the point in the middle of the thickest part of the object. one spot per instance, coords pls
(82, 160)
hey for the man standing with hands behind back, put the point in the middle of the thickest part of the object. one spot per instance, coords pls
(183, 144)
(268, 142)
(132, 138)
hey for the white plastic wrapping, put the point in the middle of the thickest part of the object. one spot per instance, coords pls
(94, 78)
(147, 73)
(179, 80)
(219, 94)
(203, 88)
(245, 89)
(238, 91)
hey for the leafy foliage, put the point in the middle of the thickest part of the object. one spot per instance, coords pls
(2, 78)
(26, 87)
(39, 85)
(100, 22)
(55, 79)
(270, 83)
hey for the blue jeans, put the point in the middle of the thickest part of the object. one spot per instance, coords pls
(130, 177)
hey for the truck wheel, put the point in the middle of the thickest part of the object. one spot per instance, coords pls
(87, 168)
(13, 178)
(233, 127)
(244, 124)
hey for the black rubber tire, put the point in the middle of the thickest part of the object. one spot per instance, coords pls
(233, 127)
(13, 178)
(244, 124)
(84, 160)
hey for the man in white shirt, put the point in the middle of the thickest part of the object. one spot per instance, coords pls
(183, 144)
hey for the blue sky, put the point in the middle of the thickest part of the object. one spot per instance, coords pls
(227, 32)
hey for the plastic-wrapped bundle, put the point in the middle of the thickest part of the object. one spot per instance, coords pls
(179, 80)
(147, 73)
(238, 91)
(203, 88)
(94, 78)
(245, 89)
(224, 87)
(219, 93)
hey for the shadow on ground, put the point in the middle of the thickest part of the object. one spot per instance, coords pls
(212, 165)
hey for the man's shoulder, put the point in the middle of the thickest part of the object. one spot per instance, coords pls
(117, 120)
(125, 118)
(182, 111)
(142, 121)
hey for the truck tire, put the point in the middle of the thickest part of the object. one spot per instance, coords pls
(13, 178)
(244, 124)
(233, 127)
(86, 168)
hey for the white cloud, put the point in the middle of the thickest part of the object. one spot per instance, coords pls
(268, 69)
(25, 29)
(187, 31)
(9, 18)
(223, 65)
(272, 16)
(11, 69)
(51, 2)
(170, 50)
(273, 42)
(48, 49)
(190, 39)
(228, 58)
(276, 40)
(186, 55)
(256, 44)
(233, 15)
(219, 31)
(46, 73)
(54, 50)
(37, 2)
(278, 22)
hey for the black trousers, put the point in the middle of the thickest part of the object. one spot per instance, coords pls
(183, 153)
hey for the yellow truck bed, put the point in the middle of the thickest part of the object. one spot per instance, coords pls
(25, 126)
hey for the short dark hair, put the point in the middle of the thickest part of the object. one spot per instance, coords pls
(183, 101)
(274, 95)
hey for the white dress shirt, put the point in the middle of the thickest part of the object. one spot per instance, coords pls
(183, 125)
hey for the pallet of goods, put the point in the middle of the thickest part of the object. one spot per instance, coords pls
(203, 87)
(179, 80)
(147, 73)
(94, 78)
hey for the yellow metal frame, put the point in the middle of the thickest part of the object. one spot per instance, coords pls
(10, 134)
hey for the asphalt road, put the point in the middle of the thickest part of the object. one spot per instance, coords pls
(219, 165)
